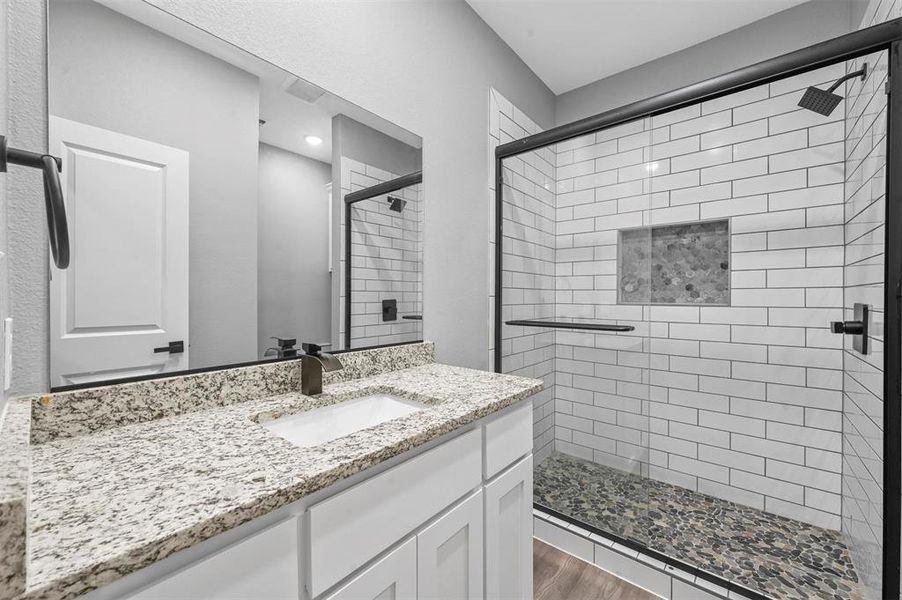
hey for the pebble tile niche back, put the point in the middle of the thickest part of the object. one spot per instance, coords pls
(687, 263)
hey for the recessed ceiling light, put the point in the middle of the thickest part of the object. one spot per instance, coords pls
(313, 140)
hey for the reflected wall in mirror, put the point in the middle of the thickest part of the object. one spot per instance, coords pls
(205, 192)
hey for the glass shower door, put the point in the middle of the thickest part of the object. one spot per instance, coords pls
(591, 472)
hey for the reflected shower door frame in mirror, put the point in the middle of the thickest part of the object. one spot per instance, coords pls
(383, 300)
(225, 263)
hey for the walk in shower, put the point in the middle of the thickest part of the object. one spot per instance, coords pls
(690, 275)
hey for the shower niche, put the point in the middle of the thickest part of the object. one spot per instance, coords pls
(685, 263)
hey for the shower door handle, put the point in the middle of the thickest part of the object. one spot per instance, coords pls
(858, 328)
(847, 327)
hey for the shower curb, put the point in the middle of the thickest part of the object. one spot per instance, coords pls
(635, 566)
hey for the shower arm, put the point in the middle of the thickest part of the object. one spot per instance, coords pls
(862, 72)
(53, 195)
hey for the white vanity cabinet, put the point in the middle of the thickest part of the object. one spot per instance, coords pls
(453, 521)
(351, 528)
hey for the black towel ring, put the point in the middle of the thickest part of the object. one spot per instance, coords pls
(53, 195)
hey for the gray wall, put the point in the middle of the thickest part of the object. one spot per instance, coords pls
(363, 143)
(26, 224)
(294, 282)
(797, 27)
(112, 72)
(4, 276)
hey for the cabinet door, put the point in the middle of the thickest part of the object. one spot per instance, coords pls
(508, 533)
(392, 578)
(450, 556)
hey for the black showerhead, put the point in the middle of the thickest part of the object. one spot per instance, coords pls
(397, 204)
(825, 102)
(820, 101)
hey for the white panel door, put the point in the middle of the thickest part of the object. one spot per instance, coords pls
(450, 556)
(392, 578)
(125, 292)
(508, 533)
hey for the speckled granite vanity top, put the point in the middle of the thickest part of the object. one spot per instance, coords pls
(110, 502)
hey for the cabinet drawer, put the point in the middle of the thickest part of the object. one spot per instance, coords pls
(351, 528)
(507, 439)
(264, 565)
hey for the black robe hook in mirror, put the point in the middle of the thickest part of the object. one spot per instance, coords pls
(53, 195)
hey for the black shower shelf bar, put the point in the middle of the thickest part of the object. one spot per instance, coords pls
(413, 317)
(569, 325)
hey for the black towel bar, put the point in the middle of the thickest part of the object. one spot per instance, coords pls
(570, 325)
(53, 195)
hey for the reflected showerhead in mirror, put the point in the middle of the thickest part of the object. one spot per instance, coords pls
(397, 204)
(825, 102)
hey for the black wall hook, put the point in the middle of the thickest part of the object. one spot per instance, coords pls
(53, 195)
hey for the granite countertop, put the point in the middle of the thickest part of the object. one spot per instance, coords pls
(109, 503)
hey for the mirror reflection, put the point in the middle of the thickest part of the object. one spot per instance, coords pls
(205, 190)
(385, 303)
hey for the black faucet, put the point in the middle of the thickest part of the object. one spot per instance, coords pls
(313, 363)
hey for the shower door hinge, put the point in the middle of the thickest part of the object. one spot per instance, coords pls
(886, 88)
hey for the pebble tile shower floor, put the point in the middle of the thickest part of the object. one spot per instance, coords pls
(778, 557)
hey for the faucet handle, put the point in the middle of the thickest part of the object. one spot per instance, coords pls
(311, 348)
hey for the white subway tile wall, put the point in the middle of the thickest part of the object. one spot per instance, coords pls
(864, 195)
(386, 259)
(728, 401)
(529, 254)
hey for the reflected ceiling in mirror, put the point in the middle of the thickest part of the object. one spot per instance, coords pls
(204, 188)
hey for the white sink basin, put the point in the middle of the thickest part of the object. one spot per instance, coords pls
(327, 423)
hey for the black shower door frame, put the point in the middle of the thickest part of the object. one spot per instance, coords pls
(887, 37)
(386, 187)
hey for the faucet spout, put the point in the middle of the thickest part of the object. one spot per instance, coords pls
(328, 362)
(313, 363)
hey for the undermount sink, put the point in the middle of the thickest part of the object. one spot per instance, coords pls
(321, 425)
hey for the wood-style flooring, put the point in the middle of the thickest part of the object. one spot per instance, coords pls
(560, 576)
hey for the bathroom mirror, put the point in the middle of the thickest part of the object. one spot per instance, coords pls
(206, 193)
